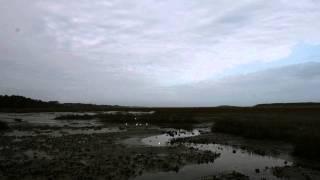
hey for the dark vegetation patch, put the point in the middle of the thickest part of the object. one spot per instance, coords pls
(76, 117)
(3, 126)
(300, 128)
(18, 104)
(226, 176)
(294, 172)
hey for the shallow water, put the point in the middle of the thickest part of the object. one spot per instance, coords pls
(47, 119)
(61, 132)
(55, 128)
(231, 159)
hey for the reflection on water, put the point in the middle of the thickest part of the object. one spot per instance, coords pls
(253, 165)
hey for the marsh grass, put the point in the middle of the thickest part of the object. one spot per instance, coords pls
(299, 128)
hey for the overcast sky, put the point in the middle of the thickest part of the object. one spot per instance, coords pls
(161, 52)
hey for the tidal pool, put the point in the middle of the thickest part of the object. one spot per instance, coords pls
(231, 159)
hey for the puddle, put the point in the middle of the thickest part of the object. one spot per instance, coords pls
(231, 159)
(61, 132)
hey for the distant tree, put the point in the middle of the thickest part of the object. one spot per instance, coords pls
(23, 102)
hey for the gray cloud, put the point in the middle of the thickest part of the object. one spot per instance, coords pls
(294, 83)
(136, 51)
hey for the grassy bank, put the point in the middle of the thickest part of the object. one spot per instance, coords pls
(299, 128)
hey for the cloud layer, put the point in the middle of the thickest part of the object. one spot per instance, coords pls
(145, 49)
(294, 83)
